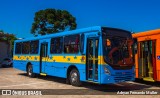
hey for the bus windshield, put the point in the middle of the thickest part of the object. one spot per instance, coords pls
(117, 47)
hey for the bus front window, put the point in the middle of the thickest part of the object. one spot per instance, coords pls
(117, 50)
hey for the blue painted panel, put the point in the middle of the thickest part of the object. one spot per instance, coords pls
(117, 76)
(19, 65)
(49, 69)
(36, 67)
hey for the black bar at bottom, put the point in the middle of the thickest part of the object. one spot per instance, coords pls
(78, 92)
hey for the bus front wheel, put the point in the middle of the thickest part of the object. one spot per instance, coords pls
(74, 77)
(30, 71)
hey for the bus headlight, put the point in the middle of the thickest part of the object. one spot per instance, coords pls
(107, 71)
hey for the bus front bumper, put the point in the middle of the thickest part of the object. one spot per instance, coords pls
(117, 77)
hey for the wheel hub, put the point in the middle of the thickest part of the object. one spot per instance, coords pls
(30, 71)
(74, 77)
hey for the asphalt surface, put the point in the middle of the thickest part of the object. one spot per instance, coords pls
(13, 79)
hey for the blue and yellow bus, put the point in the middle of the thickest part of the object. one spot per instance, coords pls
(97, 54)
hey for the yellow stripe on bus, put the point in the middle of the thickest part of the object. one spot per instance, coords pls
(63, 59)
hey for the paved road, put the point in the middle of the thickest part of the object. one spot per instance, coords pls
(11, 78)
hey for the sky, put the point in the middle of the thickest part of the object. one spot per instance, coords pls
(17, 16)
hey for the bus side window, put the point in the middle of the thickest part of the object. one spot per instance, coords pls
(25, 47)
(71, 44)
(18, 49)
(34, 47)
(56, 45)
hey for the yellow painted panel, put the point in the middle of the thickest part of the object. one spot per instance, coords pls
(64, 59)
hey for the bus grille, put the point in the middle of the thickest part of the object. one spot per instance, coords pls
(122, 76)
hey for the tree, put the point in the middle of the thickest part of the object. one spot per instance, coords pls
(51, 20)
(9, 38)
(1, 31)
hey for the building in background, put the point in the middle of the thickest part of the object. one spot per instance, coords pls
(5, 46)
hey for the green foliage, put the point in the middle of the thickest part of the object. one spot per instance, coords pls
(1, 31)
(51, 20)
(10, 38)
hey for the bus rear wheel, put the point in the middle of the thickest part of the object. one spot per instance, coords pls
(74, 77)
(30, 71)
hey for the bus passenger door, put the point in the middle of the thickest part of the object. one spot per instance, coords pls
(147, 62)
(92, 59)
(141, 60)
(43, 56)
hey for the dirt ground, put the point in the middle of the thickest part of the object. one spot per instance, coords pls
(50, 87)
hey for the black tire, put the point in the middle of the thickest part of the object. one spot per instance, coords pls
(74, 78)
(30, 71)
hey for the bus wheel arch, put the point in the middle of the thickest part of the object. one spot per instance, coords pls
(29, 69)
(70, 71)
